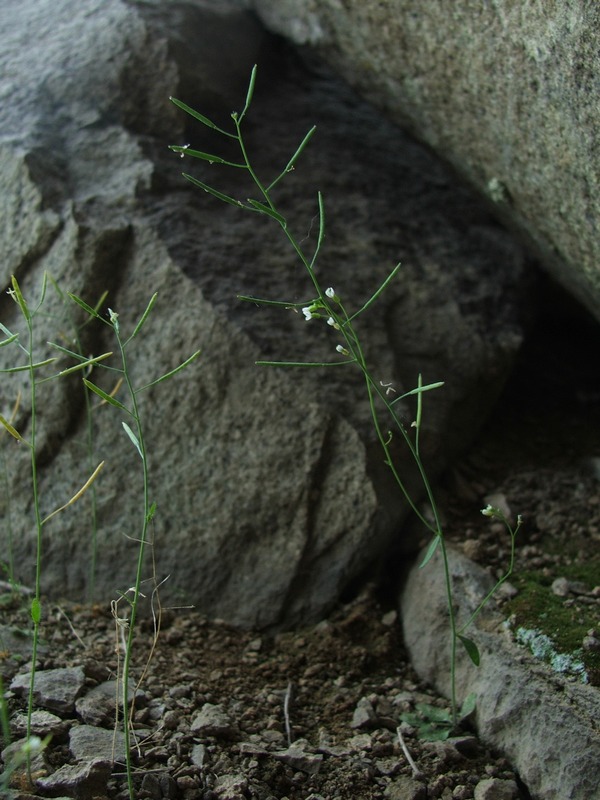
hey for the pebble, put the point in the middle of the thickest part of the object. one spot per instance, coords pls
(55, 689)
(42, 724)
(87, 742)
(211, 720)
(298, 758)
(560, 587)
(364, 714)
(496, 789)
(87, 779)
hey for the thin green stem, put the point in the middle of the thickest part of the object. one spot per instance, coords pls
(36, 602)
(127, 712)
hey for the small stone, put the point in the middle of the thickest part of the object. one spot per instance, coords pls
(54, 689)
(360, 742)
(507, 591)
(42, 724)
(171, 719)
(87, 779)
(297, 758)
(390, 619)
(591, 644)
(98, 706)
(405, 788)
(560, 587)
(251, 749)
(158, 786)
(364, 714)
(231, 787)
(87, 743)
(461, 792)
(186, 782)
(472, 549)
(212, 720)
(496, 789)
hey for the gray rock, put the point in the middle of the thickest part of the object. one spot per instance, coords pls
(83, 780)
(364, 715)
(42, 724)
(405, 788)
(18, 645)
(231, 787)
(300, 758)
(270, 490)
(496, 789)
(212, 720)
(518, 699)
(54, 689)
(97, 707)
(87, 742)
(506, 92)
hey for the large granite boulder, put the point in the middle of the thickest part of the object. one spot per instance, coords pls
(506, 91)
(271, 492)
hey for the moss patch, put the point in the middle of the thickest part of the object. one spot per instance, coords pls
(565, 621)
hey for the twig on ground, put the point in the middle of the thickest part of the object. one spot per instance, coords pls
(416, 771)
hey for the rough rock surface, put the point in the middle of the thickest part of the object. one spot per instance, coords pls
(505, 91)
(519, 701)
(268, 484)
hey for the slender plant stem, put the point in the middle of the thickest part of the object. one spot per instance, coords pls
(329, 306)
(127, 711)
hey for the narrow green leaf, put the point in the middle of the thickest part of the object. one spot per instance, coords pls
(26, 367)
(10, 339)
(12, 430)
(433, 545)
(133, 438)
(265, 209)
(471, 648)
(151, 512)
(36, 611)
(106, 397)
(210, 157)
(290, 165)
(43, 292)
(321, 236)
(200, 117)
(374, 296)
(144, 316)
(170, 374)
(91, 311)
(219, 195)
(303, 363)
(250, 92)
(88, 362)
(259, 301)
(420, 390)
(17, 294)
(67, 352)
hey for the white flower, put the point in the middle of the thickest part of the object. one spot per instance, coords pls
(330, 293)
(341, 349)
(489, 511)
(333, 323)
(307, 311)
(388, 387)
